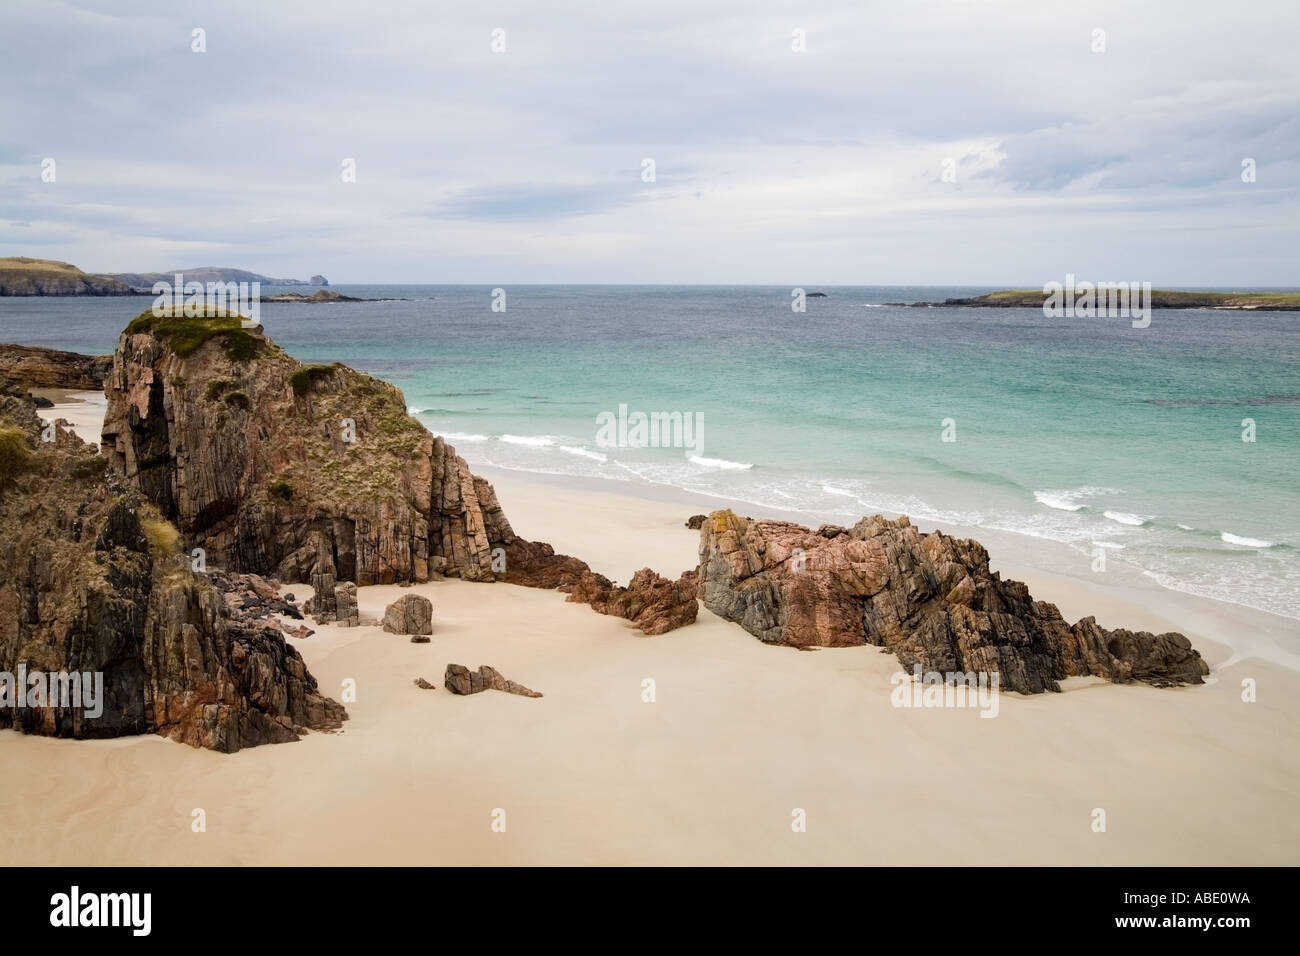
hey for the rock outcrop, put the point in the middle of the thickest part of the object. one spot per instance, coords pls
(653, 603)
(305, 473)
(51, 368)
(93, 581)
(409, 614)
(461, 680)
(929, 598)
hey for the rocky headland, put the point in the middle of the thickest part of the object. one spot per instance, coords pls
(21, 275)
(51, 368)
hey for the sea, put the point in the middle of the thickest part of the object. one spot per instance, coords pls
(1173, 448)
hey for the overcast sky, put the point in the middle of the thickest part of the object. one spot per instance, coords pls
(772, 166)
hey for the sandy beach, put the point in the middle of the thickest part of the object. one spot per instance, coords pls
(739, 736)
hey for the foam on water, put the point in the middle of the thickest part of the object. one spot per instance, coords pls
(1122, 517)
(1229, 538)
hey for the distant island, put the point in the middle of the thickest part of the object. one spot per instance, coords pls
(1160, 299)
(322, 295)
(22, 275)
(144, 281)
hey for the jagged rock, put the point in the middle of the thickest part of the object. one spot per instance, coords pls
(409, 614)
(345, 602)
(461, 680)
(250, 454)
(83, 588)
(423, 684)
(651, 602)
(929, 598)
(535, 564)
(694, 521)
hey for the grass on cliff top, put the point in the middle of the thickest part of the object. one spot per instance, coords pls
(186, 333)
(15, 455)
(28, 264)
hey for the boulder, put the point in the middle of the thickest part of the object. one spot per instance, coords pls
(463, 681)
(409, 614)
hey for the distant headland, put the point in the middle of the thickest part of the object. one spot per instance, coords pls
(22, 275)
(1159, 299)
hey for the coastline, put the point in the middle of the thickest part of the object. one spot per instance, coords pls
(646, 513)
(740, 735)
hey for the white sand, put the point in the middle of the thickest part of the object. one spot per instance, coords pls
(740, 735)
(84, 411)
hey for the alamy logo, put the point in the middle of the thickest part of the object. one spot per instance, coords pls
(651, 430)
(74, 908)
(194, 299)
(53, 689)
(1103, 300)
(946, 689)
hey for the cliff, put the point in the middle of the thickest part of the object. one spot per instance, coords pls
(304, 472)
(23, 276)
(929, 598)
(91, 580)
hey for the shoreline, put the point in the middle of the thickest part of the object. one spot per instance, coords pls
(737, 737)
(1122, 596)
(739, 734)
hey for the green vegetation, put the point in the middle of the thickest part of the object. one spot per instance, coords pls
(164, 539)
(216, 388)
(239, 400)
(305, 378)
(91, 466)
(186, 333)
(15, 455)
(282, 489)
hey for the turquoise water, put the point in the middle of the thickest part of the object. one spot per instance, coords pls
(1085, 430)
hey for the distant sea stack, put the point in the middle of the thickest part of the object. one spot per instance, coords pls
(24, 276)
(929, 598)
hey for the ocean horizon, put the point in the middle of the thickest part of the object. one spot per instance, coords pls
(1125, 444)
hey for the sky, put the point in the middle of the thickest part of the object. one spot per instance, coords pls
(856, 142)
